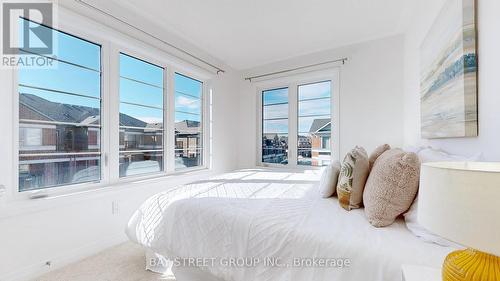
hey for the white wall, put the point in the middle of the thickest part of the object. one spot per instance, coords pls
(489, 81)
(371, 96)
(66, 228)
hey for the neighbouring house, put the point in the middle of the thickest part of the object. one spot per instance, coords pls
(188, 143)
(57, 141)
(275, 148)
(68, 139)
(320, 133)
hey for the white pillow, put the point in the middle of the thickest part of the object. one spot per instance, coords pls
(329, 178)
(426, 155)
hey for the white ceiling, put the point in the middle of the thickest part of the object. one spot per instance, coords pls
(250, 33)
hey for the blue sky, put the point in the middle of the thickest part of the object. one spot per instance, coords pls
(314, 103)
(275, 96)
(68, 48)
(188, 102)
(187, 92)
(147, 89)
(141, 83)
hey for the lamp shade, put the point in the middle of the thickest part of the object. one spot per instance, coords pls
(460, 201)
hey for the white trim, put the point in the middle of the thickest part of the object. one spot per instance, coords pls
(205, 121)
(113, 109)
(14, 192)
(19, 207)
(292, 125)
(259, 115)
(209, 147)
(336, 138)
(170, 120)
(292, 82)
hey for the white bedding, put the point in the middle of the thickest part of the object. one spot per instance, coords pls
(268, 213)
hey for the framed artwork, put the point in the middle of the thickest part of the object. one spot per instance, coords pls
(448, 84)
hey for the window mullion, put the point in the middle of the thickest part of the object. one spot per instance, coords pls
(260, 132)
(113, 127)
(292, 125)
(335, 102)
(208, 127)
(204, 126)
(170, 120)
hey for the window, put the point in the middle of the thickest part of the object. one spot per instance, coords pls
(275, 126)
(314, 124)
(188, 122)
(325, 143)
(303, 110)
(72, 119)
(141, 117)
(60, 117)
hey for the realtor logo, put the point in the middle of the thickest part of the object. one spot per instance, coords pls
(28, 40)
(27, 35)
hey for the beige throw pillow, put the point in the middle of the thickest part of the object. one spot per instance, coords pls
(391, 186)
(328, 181)
(352, 179)
(376, 154)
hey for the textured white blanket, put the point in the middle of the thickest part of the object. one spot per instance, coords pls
(273, 225)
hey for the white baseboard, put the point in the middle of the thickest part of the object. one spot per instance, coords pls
(31, 271)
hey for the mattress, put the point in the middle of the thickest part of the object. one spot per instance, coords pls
(271, 224)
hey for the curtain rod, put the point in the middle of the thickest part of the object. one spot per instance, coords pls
(343, 60)
(219, 70)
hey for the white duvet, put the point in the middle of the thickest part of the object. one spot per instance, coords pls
(268, 216)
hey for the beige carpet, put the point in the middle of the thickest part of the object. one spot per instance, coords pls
(124, 262)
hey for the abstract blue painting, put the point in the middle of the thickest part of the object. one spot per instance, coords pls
(448, 87)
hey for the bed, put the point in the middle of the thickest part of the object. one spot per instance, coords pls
(271, 224)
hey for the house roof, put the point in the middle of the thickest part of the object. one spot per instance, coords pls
(129, 121)
(187, 127)
(62, 112)
(85, 115)
(320, 125)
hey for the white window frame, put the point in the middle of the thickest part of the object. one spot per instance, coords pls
(292, 82)
(113, 42)
(73, 30)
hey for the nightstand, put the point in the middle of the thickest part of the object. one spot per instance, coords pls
(420, 273)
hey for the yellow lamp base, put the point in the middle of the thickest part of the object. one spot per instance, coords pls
(471, 265)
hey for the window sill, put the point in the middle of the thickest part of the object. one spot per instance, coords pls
(157, 176)
(22, 206)
(289, 166)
